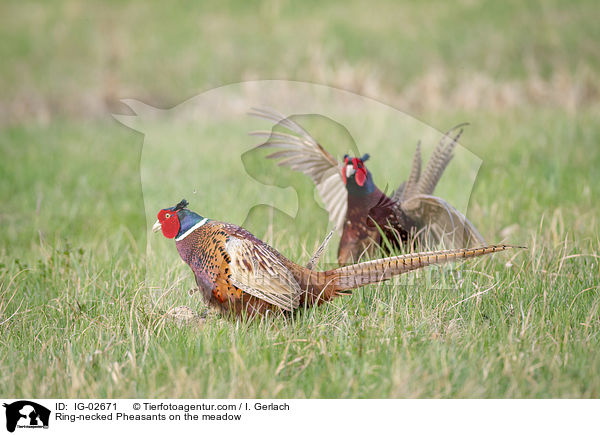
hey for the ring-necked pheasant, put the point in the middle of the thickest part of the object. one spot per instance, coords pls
(359, 208)
(239, 273)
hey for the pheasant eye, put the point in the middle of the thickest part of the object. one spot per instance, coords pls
(168, 215)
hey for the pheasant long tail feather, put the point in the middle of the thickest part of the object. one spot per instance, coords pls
(357, 275)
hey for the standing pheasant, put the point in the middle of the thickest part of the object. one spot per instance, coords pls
(359, 208)
(240, 274)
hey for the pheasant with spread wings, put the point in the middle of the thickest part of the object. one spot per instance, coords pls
(365, 214)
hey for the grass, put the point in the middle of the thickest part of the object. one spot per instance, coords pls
(439, 54)
(77, 312)
(83, 300)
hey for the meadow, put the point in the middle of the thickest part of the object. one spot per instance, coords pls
(78, 317)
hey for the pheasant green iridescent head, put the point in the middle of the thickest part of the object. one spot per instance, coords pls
(177, 221)
(354, 172)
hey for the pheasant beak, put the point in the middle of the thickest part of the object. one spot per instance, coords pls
(349, 171)
(156, 227)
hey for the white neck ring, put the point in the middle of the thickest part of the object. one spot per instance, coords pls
(188, 232)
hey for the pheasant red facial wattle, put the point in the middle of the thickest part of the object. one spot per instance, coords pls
(361, 172)
(169, 223)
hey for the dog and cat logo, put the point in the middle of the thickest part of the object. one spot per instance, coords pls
(26, 414)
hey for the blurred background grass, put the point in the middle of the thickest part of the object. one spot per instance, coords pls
(525, 74)
(499, 66)
(75, 59)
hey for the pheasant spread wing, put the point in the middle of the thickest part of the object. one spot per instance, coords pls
(442, 221)
(257, 271)
(424, 182)
(298, 150)
(408, 188)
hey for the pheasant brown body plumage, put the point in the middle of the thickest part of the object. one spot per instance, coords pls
(369, 218)
(240, 274)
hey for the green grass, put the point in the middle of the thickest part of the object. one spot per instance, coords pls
(70, 59)
(82, 299)
(76, 311)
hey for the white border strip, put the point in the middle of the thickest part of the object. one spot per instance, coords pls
(230, 416)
